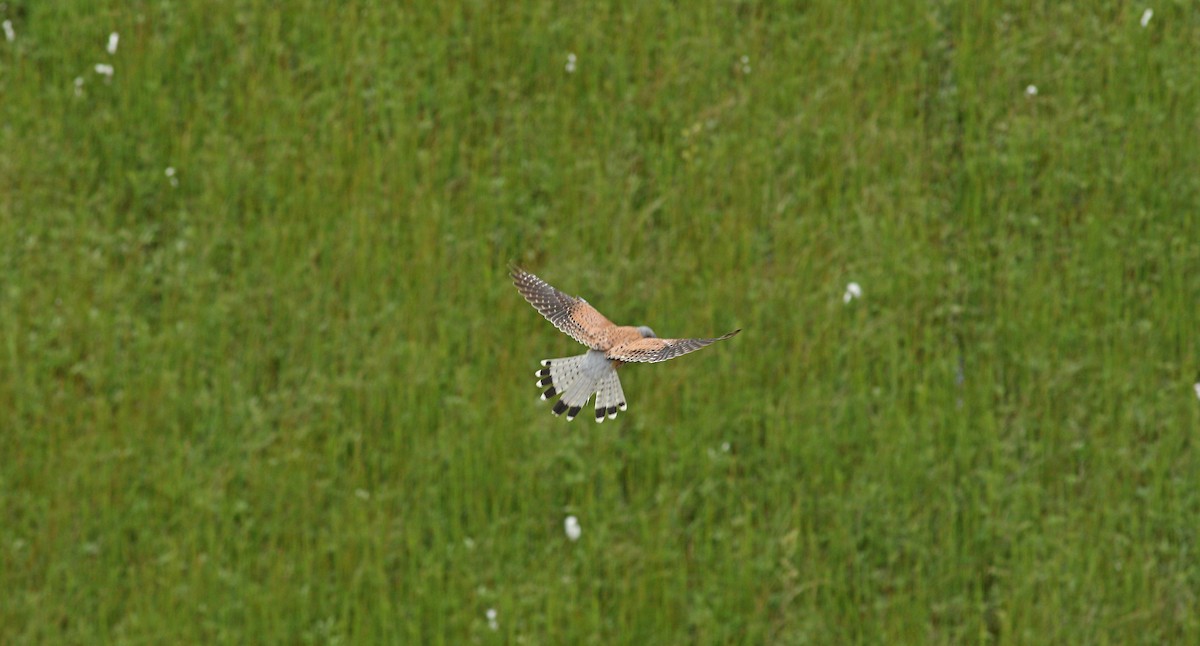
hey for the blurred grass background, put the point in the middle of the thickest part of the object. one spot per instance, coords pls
(286, 395)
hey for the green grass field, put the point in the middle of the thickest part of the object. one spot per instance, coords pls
(286, 395)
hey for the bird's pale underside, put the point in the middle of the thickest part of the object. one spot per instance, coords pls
(610, 345)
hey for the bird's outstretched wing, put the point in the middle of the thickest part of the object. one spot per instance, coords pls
(653, 350)
(572, 315)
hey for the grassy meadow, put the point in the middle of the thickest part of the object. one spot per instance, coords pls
(284, 393)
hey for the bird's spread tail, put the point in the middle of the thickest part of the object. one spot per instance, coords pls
(577, 379)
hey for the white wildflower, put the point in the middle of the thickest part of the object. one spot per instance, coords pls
(112, 43)
(1031, 90)
(571, 63)
(1146, 16)
(78, 86)
(491, 617)
(9, 34)
(725, 447)
(571, 526)
(104, 69)
(170, 173)
(853, 291)
(1197, 387)
(745, 64)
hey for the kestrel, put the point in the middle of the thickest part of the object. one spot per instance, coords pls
(595, 372)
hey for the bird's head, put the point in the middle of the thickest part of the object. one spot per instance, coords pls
(646, 332)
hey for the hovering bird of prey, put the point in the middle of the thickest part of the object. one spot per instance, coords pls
(594, 372)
